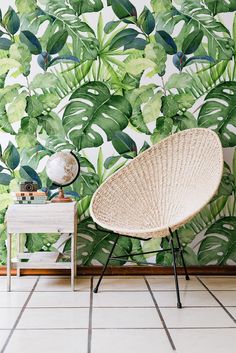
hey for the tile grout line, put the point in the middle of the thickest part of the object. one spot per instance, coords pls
(218, 301)
(19, 316)
(160, 315)
(90, 318)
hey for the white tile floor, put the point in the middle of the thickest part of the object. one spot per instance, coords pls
(128, 315)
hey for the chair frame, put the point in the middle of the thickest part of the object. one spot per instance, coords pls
(174, 250)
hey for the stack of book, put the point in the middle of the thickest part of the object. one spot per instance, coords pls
(34, 197)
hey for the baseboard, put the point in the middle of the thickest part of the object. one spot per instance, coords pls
(130, 270)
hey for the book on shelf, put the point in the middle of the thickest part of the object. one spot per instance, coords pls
(30, 202)
(35, 197)
(30, 193)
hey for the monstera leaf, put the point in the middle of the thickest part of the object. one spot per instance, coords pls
(83, 6)
(220, 45)
(219, 245)
(218, 6)
(95, 243)
(219, 112)
(92, 104)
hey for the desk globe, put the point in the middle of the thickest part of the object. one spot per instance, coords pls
(63, 169)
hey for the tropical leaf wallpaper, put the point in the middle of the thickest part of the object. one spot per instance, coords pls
(107, 79)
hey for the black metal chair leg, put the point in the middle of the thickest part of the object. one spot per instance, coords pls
(182, 257)
(105, 266)
(179, 305)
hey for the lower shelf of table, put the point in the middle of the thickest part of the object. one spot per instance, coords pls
(41, 260)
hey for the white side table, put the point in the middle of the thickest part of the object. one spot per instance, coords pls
(44, 218)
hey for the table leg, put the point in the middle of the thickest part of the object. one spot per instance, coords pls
(9, 236)
(75, 241)
(73, 261)
(18, 251)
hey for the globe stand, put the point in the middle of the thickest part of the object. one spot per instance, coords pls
(61, 197)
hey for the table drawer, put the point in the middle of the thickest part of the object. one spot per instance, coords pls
(48, 218)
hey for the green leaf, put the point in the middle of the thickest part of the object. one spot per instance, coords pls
(16, 109)
(110, 26)
(5, 179)
(170, 106)
(86, 184)
(83, 47)
(144, 147)
(163, 38)
(111, 161)
(44, 81)
(94, 243)
(155, 59)
(26, 7)
(218, 6)
(20, 52)
(138, 65)
(138, 98)
(92, 104)
(123, 143)
(57, 42)
(123, 37)
(34, 106)
(160, 6)
(182, 80)
(29, 174)
(199, 59)
(192, 42)
(219, 43)
(5, 200)
(151, 110)
(40, 242)
(100, 164)
(31, 41)
(185, 121)
(49, 101)
(11, 156)
(7, 64)
(11, 20)
(146, 21)
(219, 112)
(218, 246)
(123, 9)
(5, 43)
(84, 6)
(163, 129)
(233, 166)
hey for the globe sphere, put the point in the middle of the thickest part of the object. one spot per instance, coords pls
(62, 168)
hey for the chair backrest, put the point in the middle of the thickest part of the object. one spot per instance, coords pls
(163, 187)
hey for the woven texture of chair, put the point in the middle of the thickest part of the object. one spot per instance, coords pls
(162, 188)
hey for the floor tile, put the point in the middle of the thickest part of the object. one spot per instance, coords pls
(54, 318)
(61, 284)
(226, 297)
(8, 317)
(130, 341)
(54, 341)
(116, 299)
(60, 299)
(125, 317)
(18, 284)
(220, 283)
(196, 317)
(3, 336)
(13, 299)
(168, 283)
(207, 340)
(122, 283)
(188, 298)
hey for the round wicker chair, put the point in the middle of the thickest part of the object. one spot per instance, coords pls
(162, 188)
